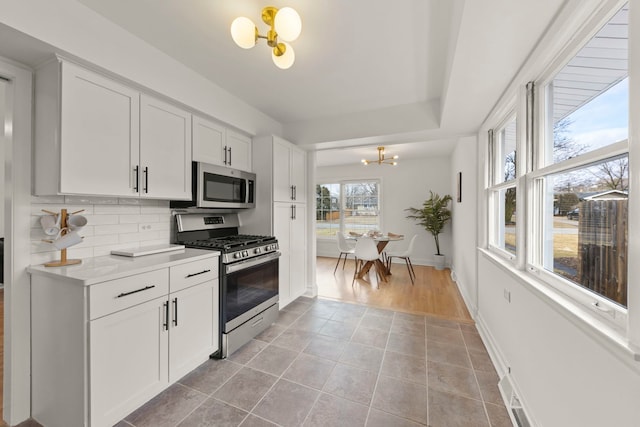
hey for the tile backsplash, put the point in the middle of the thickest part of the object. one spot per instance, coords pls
(113, 223)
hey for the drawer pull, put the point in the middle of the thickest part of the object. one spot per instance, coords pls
(196, 274)
(124, 294)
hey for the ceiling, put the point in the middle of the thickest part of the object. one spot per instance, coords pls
(415, 74)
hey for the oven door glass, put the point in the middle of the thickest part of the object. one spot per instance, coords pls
(247, 288)
(220, 188)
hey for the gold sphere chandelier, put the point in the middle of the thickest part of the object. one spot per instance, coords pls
(382, 160)
(284, 24)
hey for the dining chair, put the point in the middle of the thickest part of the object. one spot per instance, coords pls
(406, 255)
(366, 250)
(345, 249)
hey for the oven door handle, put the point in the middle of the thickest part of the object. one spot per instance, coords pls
(237, 266)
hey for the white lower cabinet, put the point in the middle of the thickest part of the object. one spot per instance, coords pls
(115, 344)
(193, 327)
(128, 360)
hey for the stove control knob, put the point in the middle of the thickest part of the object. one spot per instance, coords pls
(245, 253)
(257, 251)
(237, 255)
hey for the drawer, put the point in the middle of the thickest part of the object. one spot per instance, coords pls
(184, 275)
(114, 295)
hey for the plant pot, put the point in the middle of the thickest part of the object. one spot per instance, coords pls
(438, 261)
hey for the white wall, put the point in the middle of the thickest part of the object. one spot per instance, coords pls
(403, 186)
(464, 227)
(563, 376)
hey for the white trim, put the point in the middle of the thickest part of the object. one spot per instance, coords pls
(17, 300)
(502, 368)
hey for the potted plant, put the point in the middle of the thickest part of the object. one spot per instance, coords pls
(433, 216)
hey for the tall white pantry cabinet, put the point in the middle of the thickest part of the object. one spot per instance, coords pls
(281, 206)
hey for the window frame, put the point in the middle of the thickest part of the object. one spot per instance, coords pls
(599, 307)
(342, 183)
(497, 184)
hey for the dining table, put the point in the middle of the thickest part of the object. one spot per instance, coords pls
(381, 240)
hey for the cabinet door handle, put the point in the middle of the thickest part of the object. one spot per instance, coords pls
(165, 323)
(291, 211)
(230, 161)
(292, 195)
(137, 175)
(124, 294)
(225, 155)
(295, 192)
(196, 274)
(295, 212)
(175, 311)
(146, 179)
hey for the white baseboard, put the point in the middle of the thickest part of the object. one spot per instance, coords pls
(503, 370)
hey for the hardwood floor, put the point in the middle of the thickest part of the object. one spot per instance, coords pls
(434, 293)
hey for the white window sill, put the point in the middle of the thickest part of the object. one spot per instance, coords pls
(613, 339)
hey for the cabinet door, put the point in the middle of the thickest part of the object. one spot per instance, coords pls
(128, 360)
(165, 150)
(282, 230)
(238, 151)
(208, 141)
(299, 174)
(99, 135)
(298, 251)
(194, 327)
(282, 191)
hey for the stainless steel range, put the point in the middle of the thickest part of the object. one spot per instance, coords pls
(248, 274)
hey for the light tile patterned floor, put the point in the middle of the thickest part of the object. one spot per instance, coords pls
(327, 363)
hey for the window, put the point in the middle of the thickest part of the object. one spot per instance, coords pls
(503, 187)
(350, 206)
(583, 175)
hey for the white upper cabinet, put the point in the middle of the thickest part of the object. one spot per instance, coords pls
(238, 151)
(289, 172)
(96, 136)
(215, 144)
(208, 141)
(165, 150)
(87, 134)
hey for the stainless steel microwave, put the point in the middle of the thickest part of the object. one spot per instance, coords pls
(220, 188)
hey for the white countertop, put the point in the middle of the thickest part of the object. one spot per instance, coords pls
(110, 267)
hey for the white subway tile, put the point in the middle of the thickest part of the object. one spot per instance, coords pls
(157, 226)
(136, 219)
(47, 199)
(115, 229)
(116, 209)
(91, 200)
(100, 240)
(101, 219)
(155, 210)
(36, 209)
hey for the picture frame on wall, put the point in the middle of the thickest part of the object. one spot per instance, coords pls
(459, 187)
